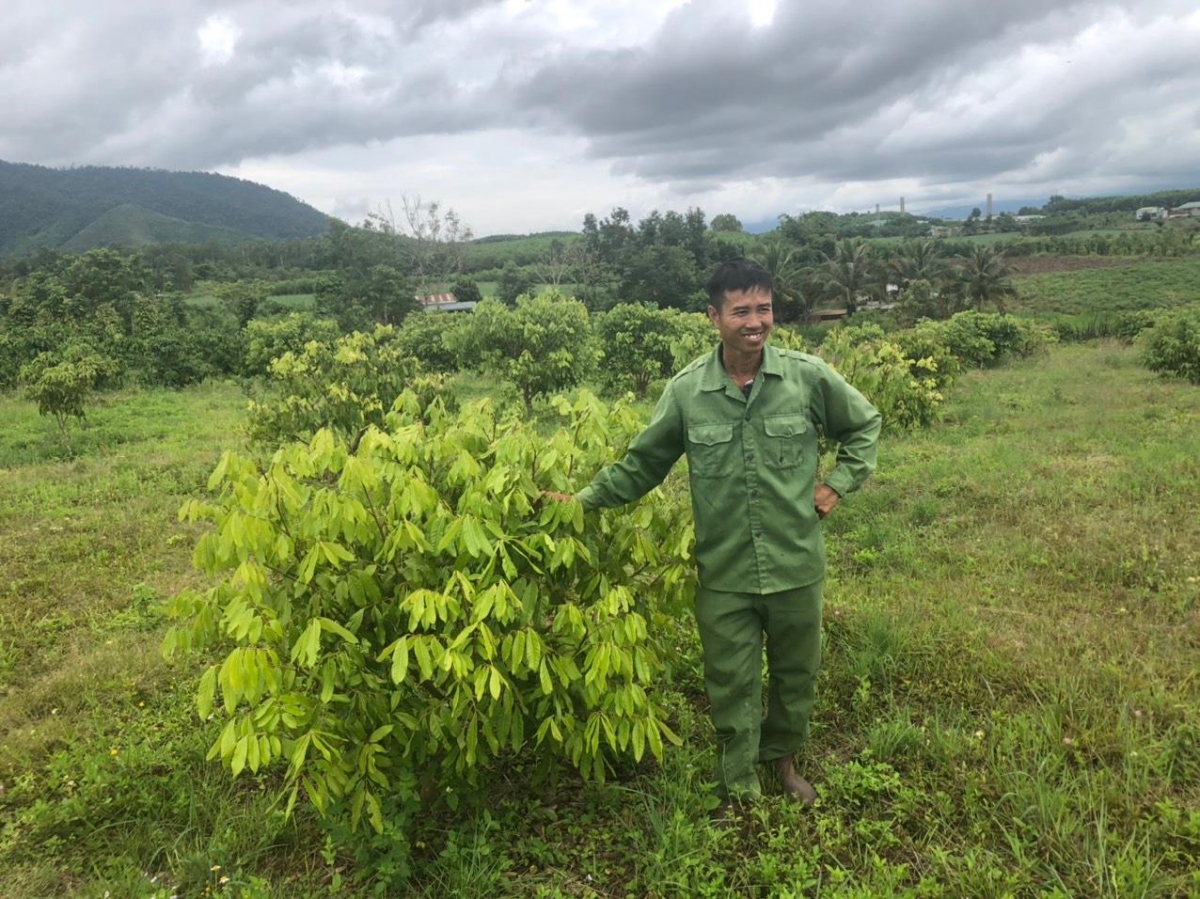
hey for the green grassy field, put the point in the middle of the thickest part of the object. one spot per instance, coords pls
(1146, 285)
(1010, 704)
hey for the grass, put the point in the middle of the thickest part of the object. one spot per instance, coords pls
(1150, 285)
(1010, 704)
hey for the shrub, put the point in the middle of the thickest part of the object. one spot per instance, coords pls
(61, 385)
(788, 338)
(636, 340)
(905, 391)
(344, 385)
(695, 338)
(924, 344)
(1010, 336)
(266, 341)
(396, 617)
(542, 346)
(427, 337)
(1172, 347)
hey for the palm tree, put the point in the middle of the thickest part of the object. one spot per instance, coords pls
(848, 273)
(920, 260)
(985, 277)
(787, 280)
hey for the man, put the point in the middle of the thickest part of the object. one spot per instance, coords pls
(747, 415)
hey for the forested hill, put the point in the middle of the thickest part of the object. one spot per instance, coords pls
(80, 208)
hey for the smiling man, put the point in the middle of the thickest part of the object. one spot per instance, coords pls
(747, 415)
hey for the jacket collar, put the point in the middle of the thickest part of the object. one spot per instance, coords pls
(715, 377)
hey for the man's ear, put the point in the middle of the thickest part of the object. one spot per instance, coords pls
(713, 314)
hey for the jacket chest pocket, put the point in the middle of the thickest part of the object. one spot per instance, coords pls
(787, 438)
(711, 450)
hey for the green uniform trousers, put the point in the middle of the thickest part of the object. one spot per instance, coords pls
(732, 627)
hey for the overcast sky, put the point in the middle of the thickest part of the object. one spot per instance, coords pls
(523, 115)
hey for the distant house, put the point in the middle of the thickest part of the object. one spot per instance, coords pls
(1027, 219)
(1187, 209)
(444, 302)
(1151, 214)
(829, 315)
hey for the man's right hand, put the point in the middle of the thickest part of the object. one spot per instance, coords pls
(557, 497)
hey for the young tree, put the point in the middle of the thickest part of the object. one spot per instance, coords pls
(514, 282)
(636, 340)
(465, 290)
(543, 345)
(62, 385)
(344, 385)
(395, 617)
(242, 299)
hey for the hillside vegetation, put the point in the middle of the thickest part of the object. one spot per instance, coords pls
(80, 208)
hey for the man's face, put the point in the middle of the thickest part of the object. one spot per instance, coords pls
(744, 320)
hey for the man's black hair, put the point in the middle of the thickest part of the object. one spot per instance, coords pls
(737, 275)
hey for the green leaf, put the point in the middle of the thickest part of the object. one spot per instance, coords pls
(331, 626)
(380, 732)
(206, 693)
(639, 740)
(307, 645)
(238, 762)
(400, 660)
(328, 680)
(421, 650)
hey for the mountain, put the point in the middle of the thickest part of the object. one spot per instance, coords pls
(81, 208)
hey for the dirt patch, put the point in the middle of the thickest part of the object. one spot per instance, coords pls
(1042, 265)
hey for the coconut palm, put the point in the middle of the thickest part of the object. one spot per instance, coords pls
(985, 277)
(848, 273)
(788, 277)
(920, 260)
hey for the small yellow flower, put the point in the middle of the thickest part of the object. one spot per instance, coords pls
(141, 705)
(216, 867)
(113, 751)
(223, 879)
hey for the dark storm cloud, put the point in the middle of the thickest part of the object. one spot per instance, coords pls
(134, 83)
(944, 91)
(711, 96)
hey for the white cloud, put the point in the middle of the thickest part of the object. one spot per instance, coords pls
(218, 38)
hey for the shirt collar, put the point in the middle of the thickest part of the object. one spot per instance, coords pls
(715, 377)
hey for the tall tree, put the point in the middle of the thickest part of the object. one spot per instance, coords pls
(985, 277)
(788, 280)
(919, 260)
(848, 273)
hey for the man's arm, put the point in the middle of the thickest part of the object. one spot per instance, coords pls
(854, 424)
(646, 462)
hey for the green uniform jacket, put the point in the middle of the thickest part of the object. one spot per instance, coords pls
(752, 463)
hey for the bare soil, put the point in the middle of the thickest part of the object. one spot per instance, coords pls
(1041, 265)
